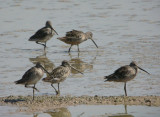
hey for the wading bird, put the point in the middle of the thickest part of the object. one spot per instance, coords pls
(124, 74)
(44, 34)
(31, 77)
(76, 37)
(59, 74)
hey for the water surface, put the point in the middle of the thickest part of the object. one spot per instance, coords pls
(124, 31)
(88, 111)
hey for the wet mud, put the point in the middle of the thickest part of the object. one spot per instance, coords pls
(42, 103)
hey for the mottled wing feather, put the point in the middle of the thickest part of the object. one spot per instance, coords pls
(41, 33)
(72, 39)
(59, 72)
(74, 34)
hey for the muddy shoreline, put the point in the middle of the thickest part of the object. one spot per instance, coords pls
(42, 103)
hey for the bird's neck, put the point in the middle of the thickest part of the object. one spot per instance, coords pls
(40, 68)
(136, 69)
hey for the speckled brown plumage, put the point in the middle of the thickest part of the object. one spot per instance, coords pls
(76, 37)
(59, 74)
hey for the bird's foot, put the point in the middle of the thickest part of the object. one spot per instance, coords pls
(57, 93)
(36, 89)
(44, 45)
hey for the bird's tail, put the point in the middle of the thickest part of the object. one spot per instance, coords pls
(18, 82)
(46, 79)
(61, 38)
(109, 78)
(32, 38)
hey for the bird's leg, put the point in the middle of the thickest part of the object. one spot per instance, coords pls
(33, 92)
(54, 89)
(125, 89)
(32, 87)
(58, 90)
(78, 48)
(45, 50)
(69, 49)
(44, 54)
(45, 44)
(41, 44)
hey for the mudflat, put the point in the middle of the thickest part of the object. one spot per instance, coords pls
(42, 103)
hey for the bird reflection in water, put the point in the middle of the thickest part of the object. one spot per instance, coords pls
(80, 65)
(48, 65)
(122, 114)
(59, 112)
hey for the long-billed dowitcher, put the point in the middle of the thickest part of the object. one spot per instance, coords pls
(59, 74)
(44, 34)
(124, 74)
(31, 77)
(76, 37)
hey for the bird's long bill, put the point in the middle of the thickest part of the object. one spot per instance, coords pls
(76, 69)
(45, 70)
(143, 70)
(54, 31)
(94, 43)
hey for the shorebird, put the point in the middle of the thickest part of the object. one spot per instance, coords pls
(124, 74)
(59, 74)
(31, 77)
(44, 34)
(76, 37)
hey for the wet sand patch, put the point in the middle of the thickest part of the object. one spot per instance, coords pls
(42, 103)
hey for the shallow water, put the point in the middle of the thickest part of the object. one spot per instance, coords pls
(113, 111)
(124, 31)
(89, 111)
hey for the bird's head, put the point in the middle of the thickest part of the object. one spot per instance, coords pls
(49, 24)
(134, 64)
(89, 35)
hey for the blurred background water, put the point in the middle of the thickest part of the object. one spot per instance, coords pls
(124, 31)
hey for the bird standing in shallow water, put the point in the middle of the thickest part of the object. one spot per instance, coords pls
(31, 77)
(44, 34)
(124, 74)
(76, 37)
(59, 74)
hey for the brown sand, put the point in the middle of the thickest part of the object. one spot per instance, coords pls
(42, 103)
